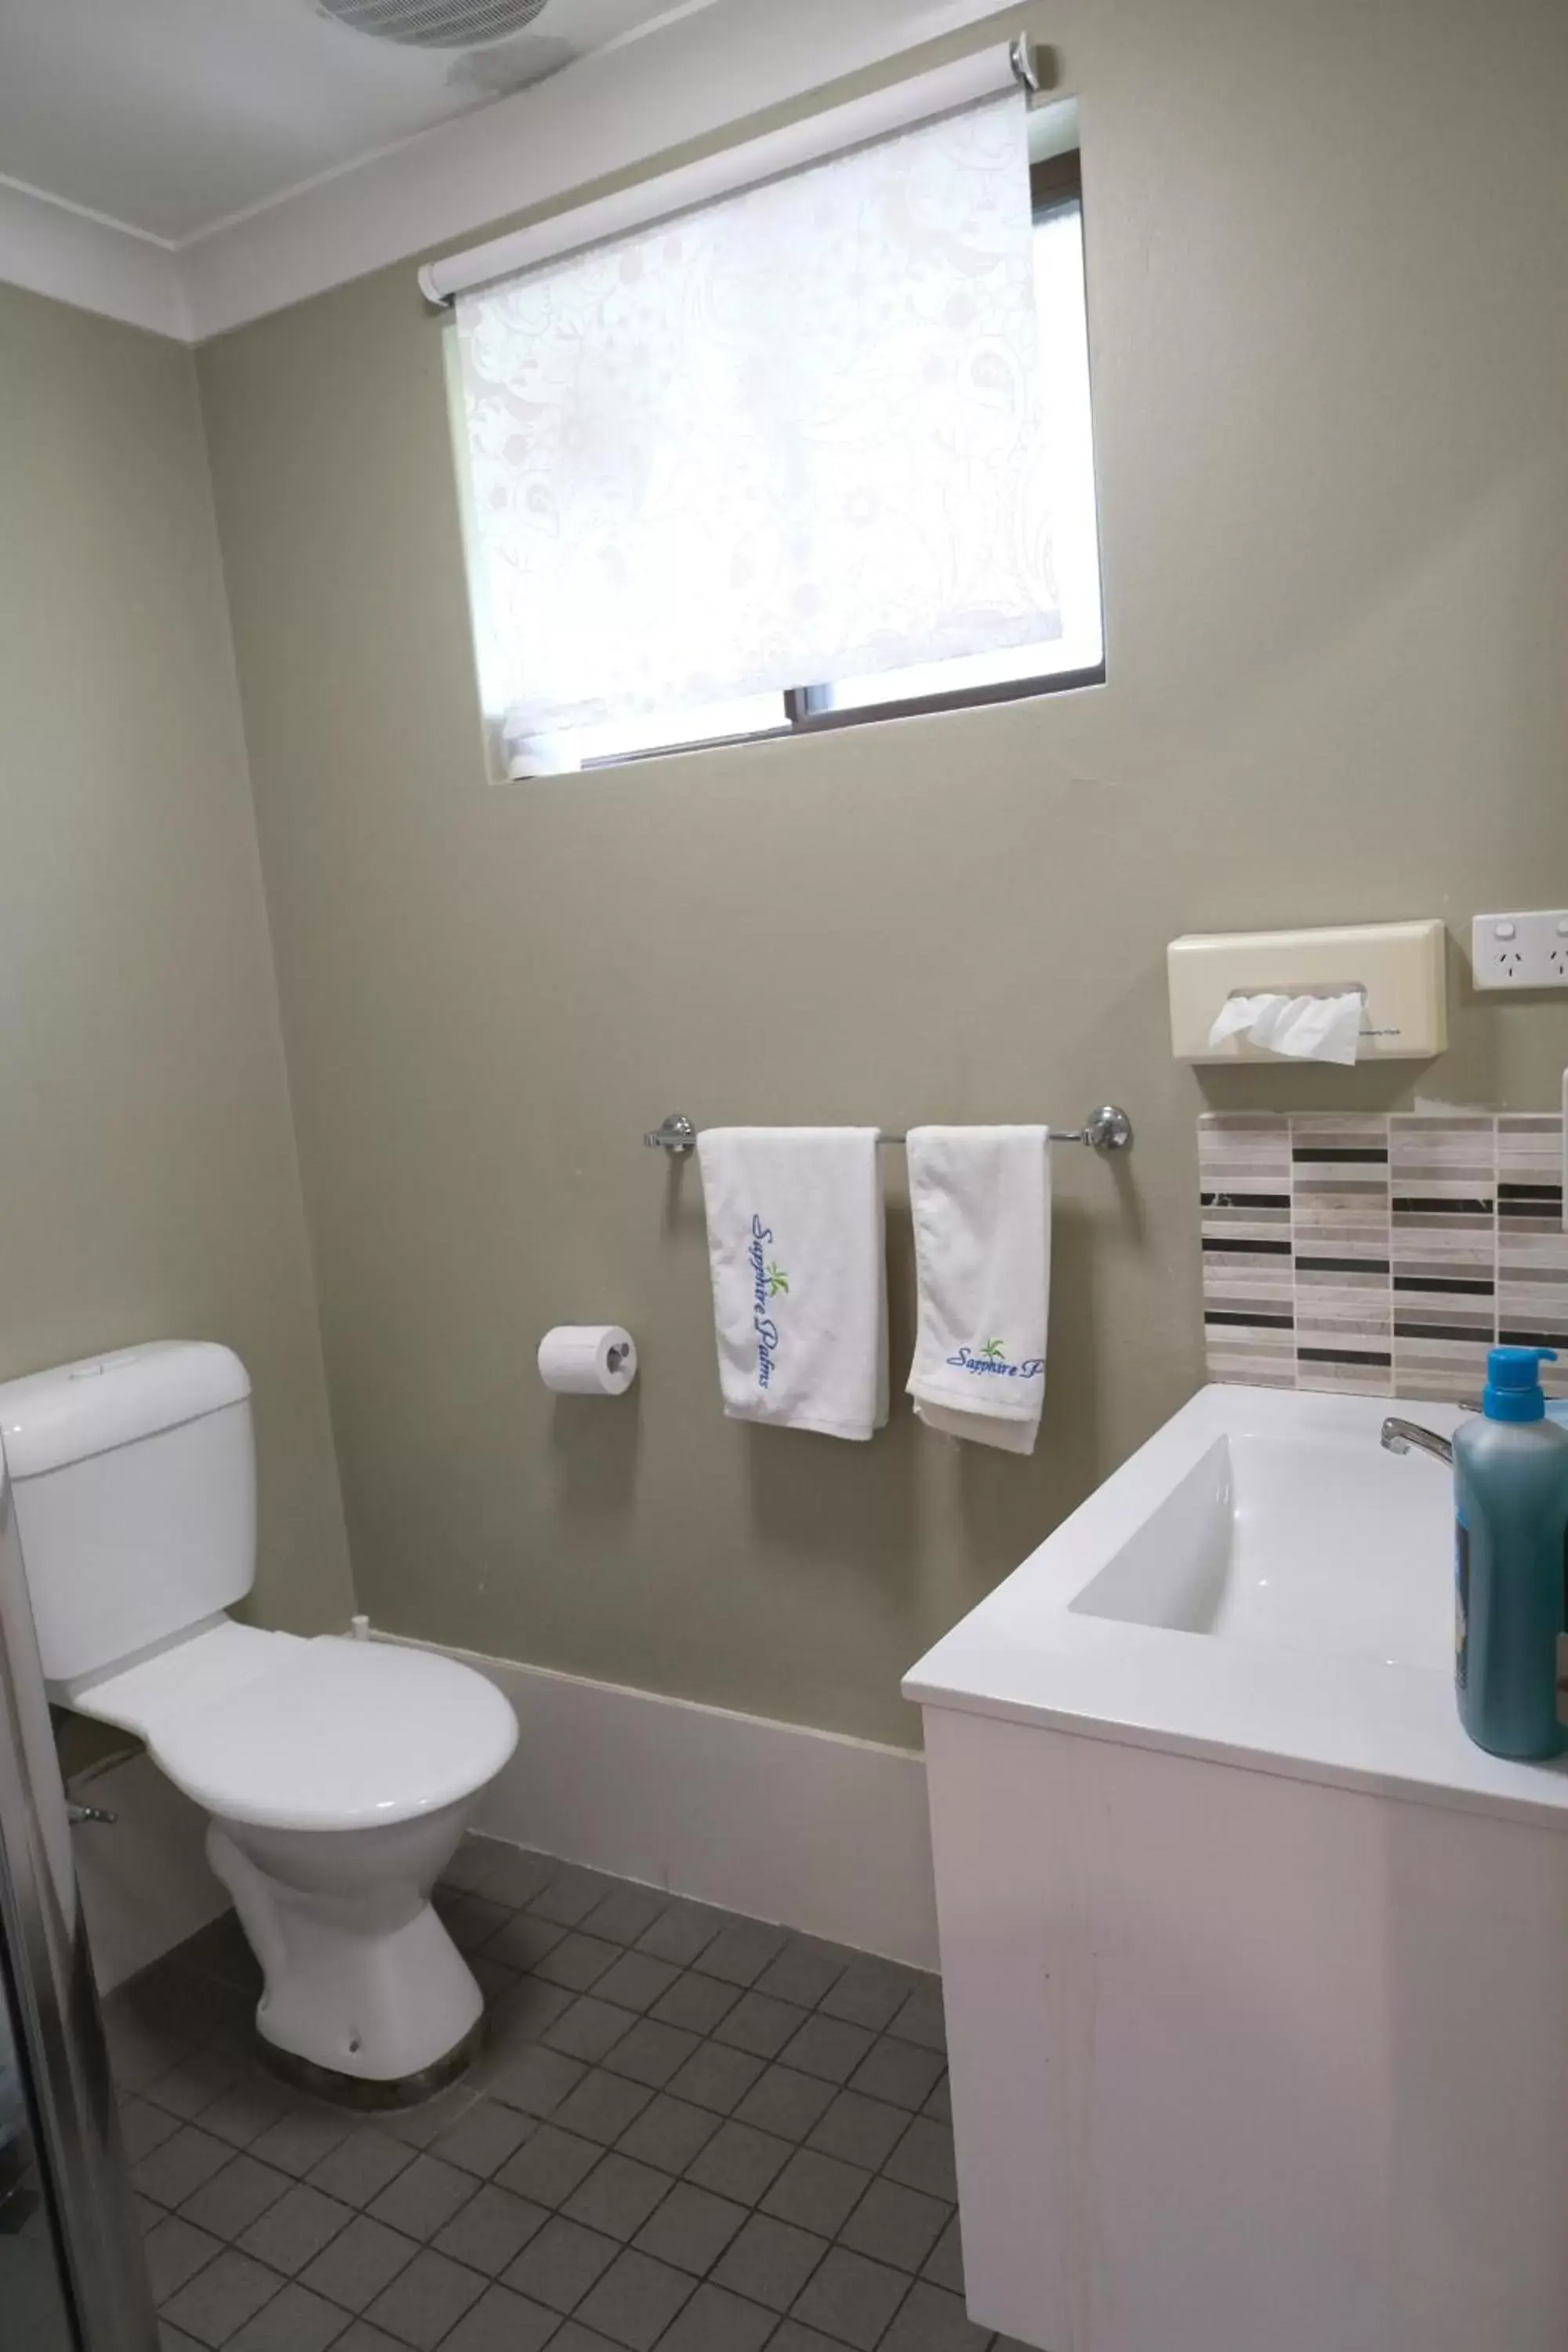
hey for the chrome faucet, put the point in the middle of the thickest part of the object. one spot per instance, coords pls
(1399, 1436)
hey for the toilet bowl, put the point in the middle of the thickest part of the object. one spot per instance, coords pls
(338, 1775)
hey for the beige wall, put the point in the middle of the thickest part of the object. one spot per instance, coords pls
(149, 1185)
(1330, 356)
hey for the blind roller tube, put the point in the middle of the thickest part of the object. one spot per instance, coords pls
(922, 99)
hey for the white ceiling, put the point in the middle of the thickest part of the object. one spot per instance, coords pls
(168, 115)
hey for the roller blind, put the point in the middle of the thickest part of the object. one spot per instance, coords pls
(793, 436)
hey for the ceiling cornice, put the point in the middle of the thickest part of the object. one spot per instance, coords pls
(695, 73)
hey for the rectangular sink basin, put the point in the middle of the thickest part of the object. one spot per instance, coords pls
(1261, 1580)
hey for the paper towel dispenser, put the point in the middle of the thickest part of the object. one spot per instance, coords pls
(1398, 969)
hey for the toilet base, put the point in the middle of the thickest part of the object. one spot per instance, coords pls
(362, 1982)
(365, 2093)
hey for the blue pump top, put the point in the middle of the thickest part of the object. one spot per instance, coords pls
(1513, 1391)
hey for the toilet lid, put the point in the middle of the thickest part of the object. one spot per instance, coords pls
(339, 1734)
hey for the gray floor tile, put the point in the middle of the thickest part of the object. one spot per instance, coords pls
(470, 1919)
(817, 2192)
(626, 1914)
(717, 2321)
(537, 2080)
(189, 2089)
(364, 2338)
(361, 2260)
(576, 2337)
(175, 2339)
(548, 2167)
(294, 2321)
(635, 2301)
(603, 2106)
(236, 2196)
(939, 2106)
(418, 2127)
(636, 1981)
(740, 2161)
(861, 2130)
(740, 1951)
(297, 2142)
(923, 2159)
(508, 1874)
(696, 2002)
(142, 2128)
(244, 2113)
(651, 2053)
(177, 2170)
(870, 1993)
(360, 2166)
(760, 2025)
(680, 1932)
(590, 2029)
(424, 2197)
(849, 2296)
(785, 2103)
(493, 1977)
(895, 2225)
(618, 2196)
(690, 2229)
(670, 2132)
(176, 2250)
(769, 2262)
(222, 2297)
(493, 2228)
(515, 2020)
(920, 2019)
(294, 2231)
(425, 2300)
(793, 2337)
(944, 2263)
(804, 1971)
(577, 1961)
(523, 1941)
(831, 2048)
(899, 2072)
(502, 2322)
(930, 2320)
(571, 1894)
(559, 2265)
(716, 2077)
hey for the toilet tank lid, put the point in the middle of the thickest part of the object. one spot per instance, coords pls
(50, 1419)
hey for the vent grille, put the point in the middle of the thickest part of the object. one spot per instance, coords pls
(436, 24)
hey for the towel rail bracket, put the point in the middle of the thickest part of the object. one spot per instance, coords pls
(1109, 1128)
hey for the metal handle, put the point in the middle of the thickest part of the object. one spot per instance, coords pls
(1399, 1436)
(75, 1815)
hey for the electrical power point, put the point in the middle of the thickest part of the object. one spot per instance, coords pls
(1529, 951)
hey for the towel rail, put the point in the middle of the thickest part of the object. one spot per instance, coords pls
(1105, 1129)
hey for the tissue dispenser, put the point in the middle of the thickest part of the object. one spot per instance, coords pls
(1399, 966)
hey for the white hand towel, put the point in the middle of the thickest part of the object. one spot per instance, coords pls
(981, 1201)
(800, 1290)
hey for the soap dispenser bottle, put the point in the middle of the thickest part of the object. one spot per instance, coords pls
(1511, 1493)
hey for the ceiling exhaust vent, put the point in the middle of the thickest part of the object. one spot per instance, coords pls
(436, 24)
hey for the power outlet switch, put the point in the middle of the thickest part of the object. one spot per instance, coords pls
(1521, 951)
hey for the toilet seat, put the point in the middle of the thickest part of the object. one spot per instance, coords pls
(326, 1733)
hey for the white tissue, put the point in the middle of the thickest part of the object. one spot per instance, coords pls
(1305, 1028)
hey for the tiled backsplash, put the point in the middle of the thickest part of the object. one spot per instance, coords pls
(1383, 1254)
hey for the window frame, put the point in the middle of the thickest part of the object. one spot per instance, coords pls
(1055, 185)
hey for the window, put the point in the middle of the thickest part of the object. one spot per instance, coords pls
(1017, 610)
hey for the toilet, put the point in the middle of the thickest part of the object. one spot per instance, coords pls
(338, 1774)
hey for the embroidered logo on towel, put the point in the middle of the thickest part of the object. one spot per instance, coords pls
(769, 1281)
(992, 1357)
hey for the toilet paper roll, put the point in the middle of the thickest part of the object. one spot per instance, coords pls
(1303, 1028)
(587, 1359)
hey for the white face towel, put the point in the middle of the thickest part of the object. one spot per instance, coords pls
(981, 1201)
(800, 1289)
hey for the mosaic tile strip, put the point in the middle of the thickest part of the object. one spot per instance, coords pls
(1380, 1255)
